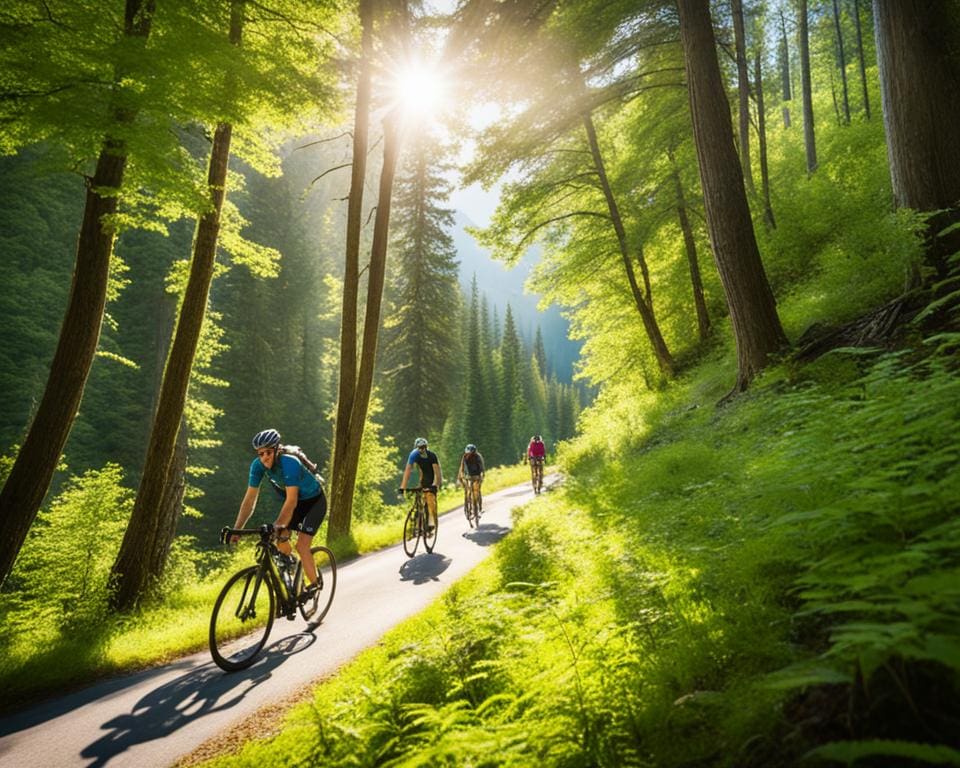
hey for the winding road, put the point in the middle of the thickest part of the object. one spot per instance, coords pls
(153, 718)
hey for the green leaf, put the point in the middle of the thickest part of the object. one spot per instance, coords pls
(850, 751)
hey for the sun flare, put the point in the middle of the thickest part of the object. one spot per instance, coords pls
(420, 92)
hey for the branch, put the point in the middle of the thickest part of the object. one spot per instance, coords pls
(324, 141)
(331, 170)
(555, 219)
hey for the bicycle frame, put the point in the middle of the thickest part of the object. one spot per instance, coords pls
(265, 558)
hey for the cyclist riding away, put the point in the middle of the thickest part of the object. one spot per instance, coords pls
(536, 453)
(472, 468)
(430, 477)
(304, 504)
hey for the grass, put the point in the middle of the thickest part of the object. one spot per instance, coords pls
(766, 584)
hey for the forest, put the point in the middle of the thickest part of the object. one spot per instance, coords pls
(226, 215)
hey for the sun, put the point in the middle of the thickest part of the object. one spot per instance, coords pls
(420, 92)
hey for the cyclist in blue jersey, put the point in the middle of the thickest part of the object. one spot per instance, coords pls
(304, 505)
(430, 477)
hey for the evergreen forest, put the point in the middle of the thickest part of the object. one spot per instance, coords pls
(220, 216)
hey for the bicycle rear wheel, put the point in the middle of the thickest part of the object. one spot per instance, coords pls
(241, 620)
(430, 533)
(316, 607)
(411, 532)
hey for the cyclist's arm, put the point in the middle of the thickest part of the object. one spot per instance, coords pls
(406, 475)
(437, 477)
(289, 504)
(460, 470)
(247, 505)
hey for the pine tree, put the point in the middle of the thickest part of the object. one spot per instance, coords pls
(422, 332)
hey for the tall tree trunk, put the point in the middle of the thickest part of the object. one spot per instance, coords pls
(785, 70)
(768, 218)
(660, 351)
(354, 408)
(842, 61)
(753, 312)
(342, 477)
(690, 244)
(36, 462)
(143, 553)
(862, 58)
(809, 138)
(919, 87)
(743, 91)
(348, 459)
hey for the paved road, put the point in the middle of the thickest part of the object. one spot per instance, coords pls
(152, 718)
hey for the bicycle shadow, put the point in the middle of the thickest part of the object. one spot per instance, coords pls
(424, 568)
(486, 534)
(202, 691)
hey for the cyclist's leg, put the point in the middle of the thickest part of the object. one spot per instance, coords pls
(307, 518)
(477, 496)
(430, 497)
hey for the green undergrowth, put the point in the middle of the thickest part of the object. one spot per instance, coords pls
(770, 583)
(56, 629)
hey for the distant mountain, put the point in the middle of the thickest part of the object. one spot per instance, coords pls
(504, 286)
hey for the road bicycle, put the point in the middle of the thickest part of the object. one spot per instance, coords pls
(420, 523)
(536, 474)
(471, 501)
(256, 595)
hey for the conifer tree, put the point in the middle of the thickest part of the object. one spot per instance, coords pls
(422, 336)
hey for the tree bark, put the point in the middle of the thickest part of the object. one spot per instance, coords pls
(743, 91)
(809, 137)
(690, 244)
(756, 325)
(768, 218)
(842, 61)
(919, 84)
(342, 477)
(660, 350)
(36, 462)
(785, 70)
(348, 459)
(143, 553)
(863, 63)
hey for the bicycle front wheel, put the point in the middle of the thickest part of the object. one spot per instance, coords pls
(316, 607)
(411, 532)
(242, 619)
(468, 507)
(431, 527)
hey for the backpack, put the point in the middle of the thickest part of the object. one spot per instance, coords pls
(297, 452)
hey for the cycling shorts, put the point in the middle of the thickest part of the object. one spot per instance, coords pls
(309, 514)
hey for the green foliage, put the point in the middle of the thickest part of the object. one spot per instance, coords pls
(64, 578)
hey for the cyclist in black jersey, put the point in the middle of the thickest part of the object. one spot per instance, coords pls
(471, 470)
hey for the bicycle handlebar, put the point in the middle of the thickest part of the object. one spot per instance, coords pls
(265, 531)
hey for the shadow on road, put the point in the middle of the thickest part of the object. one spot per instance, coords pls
(424, 568)
(486, 534)
(200, 692)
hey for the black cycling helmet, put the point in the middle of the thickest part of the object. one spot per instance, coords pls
(537, 438)
(420, 442)
(268, 438)
(470, 448)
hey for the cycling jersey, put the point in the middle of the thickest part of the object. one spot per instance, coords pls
(425, 463)
(286, 472)
(472, 465)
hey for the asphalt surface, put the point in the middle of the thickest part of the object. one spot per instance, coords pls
(152, 718)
